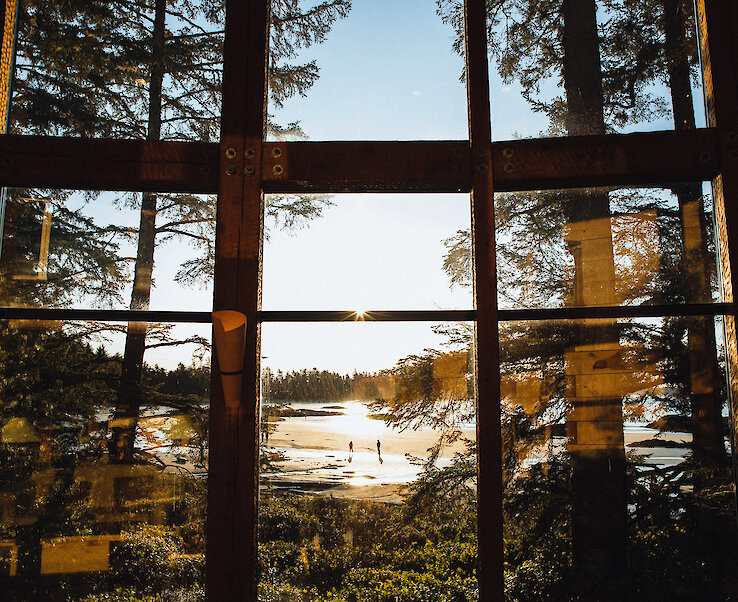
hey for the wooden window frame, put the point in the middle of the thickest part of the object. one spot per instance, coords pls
(478, 166)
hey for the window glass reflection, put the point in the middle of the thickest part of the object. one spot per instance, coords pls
(102, 485)
(588, 68)
(598, 247)
(617, 468)
(363, 70)
(107, 250)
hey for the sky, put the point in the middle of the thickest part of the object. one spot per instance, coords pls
(387, 72)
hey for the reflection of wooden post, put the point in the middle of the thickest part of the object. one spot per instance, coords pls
(704, 375)
(595, 420)
(42, 266)
(697, 264)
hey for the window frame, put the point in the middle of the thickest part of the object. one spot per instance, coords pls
(478, 166)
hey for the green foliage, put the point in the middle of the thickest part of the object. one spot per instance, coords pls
(525, 39)
(151, 559)
(83, 68)
(327, 549)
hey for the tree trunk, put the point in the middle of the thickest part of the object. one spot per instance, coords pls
(595, 419)
(128, 405)
(704, 373)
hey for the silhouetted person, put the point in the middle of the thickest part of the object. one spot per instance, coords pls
(379, 447)
(351, 447)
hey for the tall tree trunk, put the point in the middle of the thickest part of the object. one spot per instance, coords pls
(129, 394)
(704, 373)
(595, 419)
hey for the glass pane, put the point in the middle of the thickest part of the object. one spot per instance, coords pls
(581, 68)
(598, 247)
(365, 251)
(618, 479)
(103, 478)
(83, 249)
(364, 70)
(115, 69)
(368, 462)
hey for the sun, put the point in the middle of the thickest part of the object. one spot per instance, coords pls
(360, 314)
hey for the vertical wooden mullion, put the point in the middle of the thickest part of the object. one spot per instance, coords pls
(718, 25)
(232, 482)
(489, 516)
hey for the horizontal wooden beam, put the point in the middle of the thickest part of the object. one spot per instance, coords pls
(637, 159)
(104, 164)
(434, 315)
(531, 164)
(367, 167)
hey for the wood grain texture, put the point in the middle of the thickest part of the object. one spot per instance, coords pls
(489, 435)
(434, 166)
(9, 20)
(233, 489)
(649, 158)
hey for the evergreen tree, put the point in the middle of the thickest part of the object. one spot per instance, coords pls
(151, 69)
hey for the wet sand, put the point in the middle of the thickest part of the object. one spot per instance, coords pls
(318, 459)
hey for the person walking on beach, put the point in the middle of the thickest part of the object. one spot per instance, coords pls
(351, 447)
(379, 447)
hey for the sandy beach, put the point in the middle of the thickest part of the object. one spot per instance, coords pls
(318, 458)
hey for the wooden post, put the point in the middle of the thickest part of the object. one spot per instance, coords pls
(232, 483)
(489, 435)
(10, 21)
